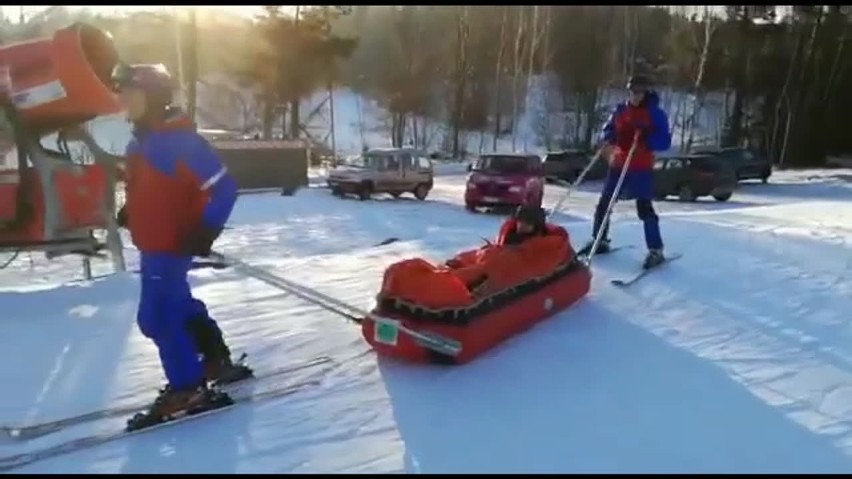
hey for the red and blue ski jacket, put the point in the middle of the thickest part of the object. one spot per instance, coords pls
(621, 127)
(175, 184)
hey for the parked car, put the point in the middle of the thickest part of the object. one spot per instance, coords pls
(692, 176)
(393, 171)
(567, 166)
(747, 164)
(504, 180)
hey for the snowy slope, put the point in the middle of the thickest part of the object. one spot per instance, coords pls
(736, 358)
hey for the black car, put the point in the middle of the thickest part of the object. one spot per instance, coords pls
(568, 164)
(747, 164)
(692, 176)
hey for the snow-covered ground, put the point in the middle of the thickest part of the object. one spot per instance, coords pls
(736, 358)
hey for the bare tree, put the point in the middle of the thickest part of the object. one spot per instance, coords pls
(806, 72)
(498, 77)
(360, 120)
(698, 87)
(535, 39)
(546, 56)
(516, 70)
(462, 72)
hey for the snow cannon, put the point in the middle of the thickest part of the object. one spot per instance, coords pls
(48, 200)
(60, 81)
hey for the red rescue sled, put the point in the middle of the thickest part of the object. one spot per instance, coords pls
(403, 329)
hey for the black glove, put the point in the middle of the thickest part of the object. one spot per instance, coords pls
(200, 241)
(121, 217)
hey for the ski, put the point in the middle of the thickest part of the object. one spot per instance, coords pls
(19, 460)
(623, 283)
(34, 431)
(612, 249)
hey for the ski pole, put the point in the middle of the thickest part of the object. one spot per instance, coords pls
(332, 305)
(576, 182)
(221, 265)
(612, 200)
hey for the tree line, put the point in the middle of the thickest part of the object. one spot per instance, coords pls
(779, 69)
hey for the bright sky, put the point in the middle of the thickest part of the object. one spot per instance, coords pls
(13, 11)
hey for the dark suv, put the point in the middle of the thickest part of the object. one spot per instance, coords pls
(567, 166)
(747, 164)
(692, 176)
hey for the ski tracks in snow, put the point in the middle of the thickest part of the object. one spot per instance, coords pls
(754, 298)
(769, 308)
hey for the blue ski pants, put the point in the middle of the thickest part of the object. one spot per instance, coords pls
(638, 185)
(165, 305)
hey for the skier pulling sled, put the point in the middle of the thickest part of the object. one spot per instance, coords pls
(179, 197)
(480, 297)
(635, 130)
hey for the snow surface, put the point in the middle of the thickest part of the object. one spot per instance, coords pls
(736, 358)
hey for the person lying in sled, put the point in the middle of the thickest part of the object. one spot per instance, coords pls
(526, 247)
(527, 223)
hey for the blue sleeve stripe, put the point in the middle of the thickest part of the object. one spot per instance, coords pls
(214, 179)
(223, 196)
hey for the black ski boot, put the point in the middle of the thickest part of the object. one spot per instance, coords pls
(653, 259)
(173, 404)
(222, 370)
(603, 247)
(216, 356)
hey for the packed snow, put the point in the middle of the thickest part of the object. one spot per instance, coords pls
(735, 358)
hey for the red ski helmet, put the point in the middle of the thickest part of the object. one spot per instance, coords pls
(154, 80)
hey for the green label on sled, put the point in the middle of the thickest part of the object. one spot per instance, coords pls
(386, 332)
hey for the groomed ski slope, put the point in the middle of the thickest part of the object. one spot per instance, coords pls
(737, 358)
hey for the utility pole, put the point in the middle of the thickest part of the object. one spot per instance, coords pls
(331, 107)
(331, 72)
(181, 93)
(192, 65)
(294, 93)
